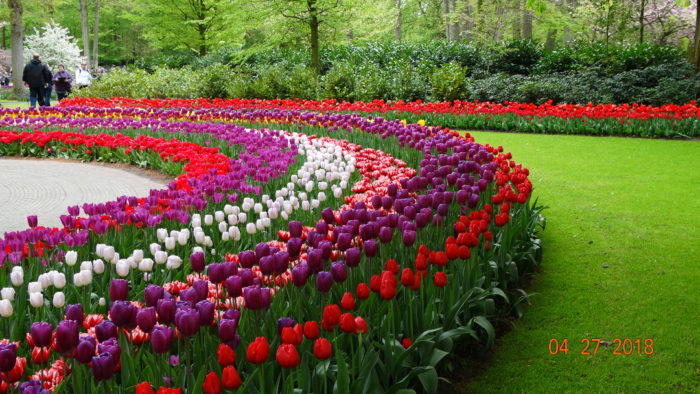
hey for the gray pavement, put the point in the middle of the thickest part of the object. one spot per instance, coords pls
(46, 187)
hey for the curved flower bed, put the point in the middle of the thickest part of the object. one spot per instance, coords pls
(282, 261)
(603, 119)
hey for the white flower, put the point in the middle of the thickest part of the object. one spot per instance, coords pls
(219, 216)
(86, 265)
(36, 299)
(45, 280)
(174, 262)
(131, 262)
(305, 206)
(259, 225)
(59, 280)
(225, 236)
(86, 277)
(59, 299)
(115, 258)
(34, 287)
(71, 257)
(98, 266)
(250, 228)
(147, 276)
(199, 237)
(154, 247)
(228, 209)
(161, 257)
(137, 255)
(108, 253)
(323, 185)
(266, 222)
(122, 268)
(5, 308)
(196, 222)
(183, 237)
(146, 265)
(257, 208)
(284, 215)
(315, 203)
(242, 217)
(321, 196)
(234, 233)
(273, 213)
(77, 279)
(161, 233)
(55, 44)
(246, 206)
(100, 250)
(208, 220)
(337, 192)
(309, 186)
(223, 226)
(213, 252)
(233, 219)
(235, 210)
(102, 301)
(169, 243)
(197, 249)
(8, 293)
(208, 242)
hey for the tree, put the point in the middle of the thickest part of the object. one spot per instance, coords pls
(55, 45)
(16, 12)
(96, 35)
(85, 29)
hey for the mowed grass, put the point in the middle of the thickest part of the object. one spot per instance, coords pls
(633, 206)
(15, 104)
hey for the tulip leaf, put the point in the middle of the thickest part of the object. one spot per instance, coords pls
(429, 380)
(342, 382)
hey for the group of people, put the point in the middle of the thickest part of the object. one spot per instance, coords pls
(38, 78)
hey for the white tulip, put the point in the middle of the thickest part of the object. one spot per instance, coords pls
(259, 225)
(71, 257)
(315, 203)
(86, 276)
(109, 253)
(208, 220)
(337, 193)
(265, 197)
(34, 287)
(235, 210)
(154, 247)
(161, 257)
(223, 226)
(59, 299)
(100, 250)
(321, 196)
(174, 262)
(137, 255)
(86, 265)
(294, 178)
(309, 186)
(263, 214)
(147, 276)
(122, 268)
(323, 185)
(233, 219)
(36, 299)
(183, 237)
(146, 265)
(199, 237)
(228, 209)
(208, 242)
(196, 216)
(219, 216)
(213, 252)
(245, 207)
(5, 308)
(98, 266)
(234, 233)
(59, 280)
(102, 301)
(174, 233)
(45, 280)
(257, 208)
(115, 259)
(225, 236)
(169, 243)
(196, 223)
(8, 293)
(284, 215)
(77, 279)
(161, 233)
(242, 217)
(197, 249)
(250, 228)
(305, 206)
(273, 213)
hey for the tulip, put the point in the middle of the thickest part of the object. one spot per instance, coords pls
(362, 291)
(173, 262)
(166, 309)
(122, 268)
(225, 355)
(8, 293)
(324, 281)
(187, 321)
(34, 287)
(17, 276)
(98, 266)
(71, 257)
(103, 366)
(230, 378)
(216, 273)
(36, 299)
(160, 256)
(300, 274)
(110, 346)
(339, 271)
(85, 349)
(440, 279)
(41, 333)
(146, 265)
(348, 301)
(59, 299)
(331, 314)
(258, 351)
(387, 287)
(287, 356)
(212, 384)
(32, 221)
(206, 312)
(360, 325)
(122, 313)
(66, 336)
(146, 318)
(152, 294)
(6, 309)
(105, 330)
(189, 295)
(75, 312)
(161, 339)
(197, 261)
(322, 349)
(227, 329)
(8, 356)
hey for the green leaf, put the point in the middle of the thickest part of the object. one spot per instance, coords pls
(484, 323)
(342, 382)
(429, 380)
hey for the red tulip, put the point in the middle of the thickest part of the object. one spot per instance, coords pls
(347, 322)
(144, 388)
(225, 355)
(258, 351)
(289, 335)
(440, 279)
(311, 330)
(375, 283)
(230, 378)
(40, 355)
(323, 349)
(406, 343)
(212, 384)
(287, 356)
(387, 288)
(362, 291)
(407, 277)
(360, 325)
(348, 301)
(393, 266)
(331, 314)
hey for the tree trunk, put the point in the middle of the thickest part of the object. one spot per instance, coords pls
(202, 39)
(85, 29)
(17, 34)
(3, 36)
(313, 39)
(696, 43)
(517, 21)
(96, 36)
(642, 9)
(454, 21)
(446, 12)
(551, 41)
(467, 20)
(527, 23)
(397, 27)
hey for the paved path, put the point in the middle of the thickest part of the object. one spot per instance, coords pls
(46, 187)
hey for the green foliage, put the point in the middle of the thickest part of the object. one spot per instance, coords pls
(213, 80)
(517, 57)
(339, 82)
(448, 82)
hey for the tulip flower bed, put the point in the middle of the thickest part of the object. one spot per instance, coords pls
(335, 253)
(668, 121)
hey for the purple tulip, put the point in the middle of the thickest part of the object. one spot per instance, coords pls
(41, 333)
(201, 287)
(314, 259)
(234, 286)
(118, 289)
(189, 295)
(105, 330)
(233, 314)
(85, 349)
(408, 237)
(216, 273)
(352, 257)
(230, 269)
(294, 247)
(66, 336)
(267, 265)
(295, 229)
(385, 234)
(166, 311)
(246, 276)
(197, 261)
(300, 274)
(344, 240)
(247, 259)
(206, 312)
(8, 357)
(324, 281)
(283, 322)
(75, 312)
(146, 318)
(121, 313)
(262, 249)
(152, 294)
(33, 221)
(161, 339)
(110, 346)
(328, 215)
(370, 248)
(227, 329)
(32, 387)
(103, 366)
(187, 321)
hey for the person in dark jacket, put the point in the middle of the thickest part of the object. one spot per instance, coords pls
(62, 82)
(37, 77)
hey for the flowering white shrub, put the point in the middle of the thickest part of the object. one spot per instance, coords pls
(55, 45)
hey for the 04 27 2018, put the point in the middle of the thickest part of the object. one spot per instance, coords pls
(592, 346)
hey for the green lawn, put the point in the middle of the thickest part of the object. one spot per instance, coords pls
(15, 104)
(633, 206)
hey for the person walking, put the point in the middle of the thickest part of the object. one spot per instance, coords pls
(48, 89)
(62, 82)
(36, 76)
(83, 78)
